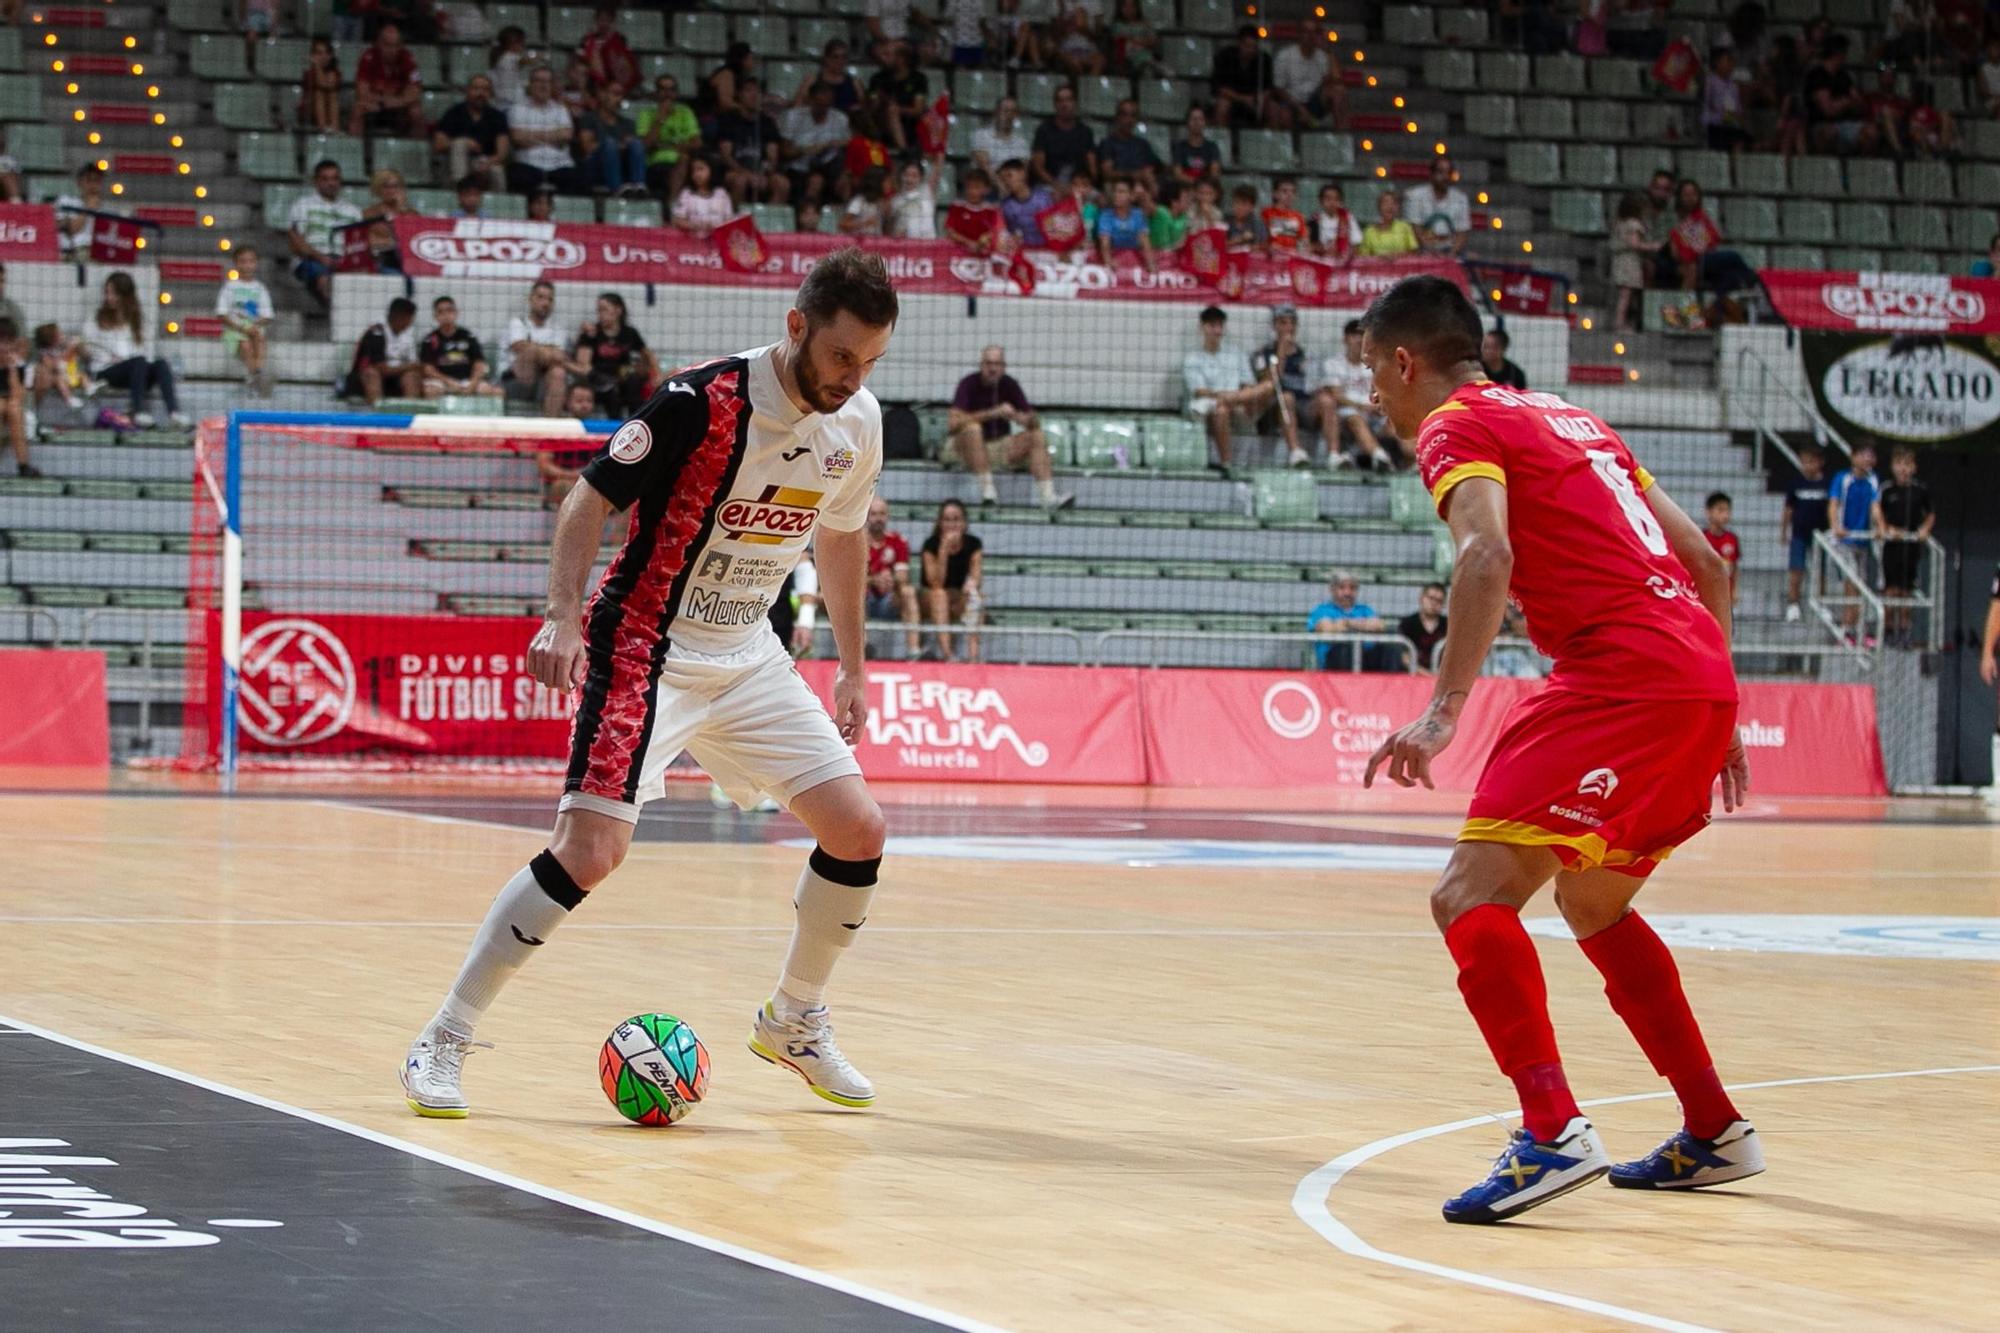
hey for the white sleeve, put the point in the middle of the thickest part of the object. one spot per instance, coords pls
(849, 510)
(222, 299)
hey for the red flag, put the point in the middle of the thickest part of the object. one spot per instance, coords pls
(1312, 278)
(973, 226)
(740, 244)
(1203, 250)
(114, 240)
(1062, 224)
(1677, 66)
(1235, 273)
(1022, 271)
(357, 252)
(934, 128)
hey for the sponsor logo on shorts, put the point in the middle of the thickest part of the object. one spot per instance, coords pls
(779, 514)
(1582, 817)
(837, 462)
(712, 608)
(1598, 782)
(633, 442)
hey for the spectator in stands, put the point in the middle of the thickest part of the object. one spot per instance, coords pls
(1167, 217)
(314, 219)
(1245, 224)
(614, 360)
(964, 22)
(867, 210)
(912, 210)
(702, 205)
(419, 18)
(1630, 252)
(1196, 156)
(74, 222)
(14, 395)
(606, 54)
(815, 139)
(388, 90)
(1353, 429)
(385, 357)
(1426, 627)
(988, 407)
(1835, 109)
(1001, 140)
(1659, 217)
(1343, 613)
(890, 594)
(1083, 193)
(608, 144)
(1850, 514)
(897, 27)
(319, 89)
(1698, 250)
(471, 193)
(11, 188)
(1284, 225)
(472, 135)
(11, 310)
(1206, 210)
(1336, 232)
(389, 200)
(1931, 130)
(1904, 516)
(1990, 265)
(749, 147)
(245, 308)
(1075, 48)
(671, 134)
(1989, 77)
(259, 20)
(1718, 508)
(557, 467)
(1283, 362)
(1220, 385)
(898, 95)
(719, 90)
(953, 572)
(1239, 80)
(453, 360)
(1018, 40)
(541, 130)
(1127, 152)
(1889, 110)
(1782, 87)
(508, 67)
(1021, 204)
(1493, 356)
(1390, 234)
(542, 204)
(538, 365)
(1439, 210)
(1297, 75)
(975, 222)
(1063, 144)
(1135, 47)
(120, 351)
(834, 73)
(1514, 655)
(1722, 104)
(1122, 228)
(54, 401)
(1805, 514)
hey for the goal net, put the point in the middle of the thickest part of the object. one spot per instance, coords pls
(362, 590)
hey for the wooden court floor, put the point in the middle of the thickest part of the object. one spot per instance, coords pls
(1137, 1096)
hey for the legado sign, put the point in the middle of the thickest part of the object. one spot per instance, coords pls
(1912, 388)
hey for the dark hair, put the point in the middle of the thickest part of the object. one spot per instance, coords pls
(540, 283)
(1244, 192)
(122, 307)
(1013, 164)
(1214, 315)
(937, 524)
(1718, 498)
(616, 300)
(243, 250)
(323, 164)
(1632, 204)
(8, 331)
(443, 300)
(472, 180)
(976, 174)
(1900, 451)
(1811, 451)
(89, 169)
(1835, 45)
(500, 40)
(402, 305)
(1863, 443)
(1430, 317)
(1292, 181)
(1354, 326)
(1442, 590)
(849, 279)
(48, 335)
(1505, 340)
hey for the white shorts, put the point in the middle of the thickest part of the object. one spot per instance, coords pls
(748, 719)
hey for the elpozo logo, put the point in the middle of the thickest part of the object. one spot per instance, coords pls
(468, 253)
(1916, 388)
(779, 514)
(1903, 301)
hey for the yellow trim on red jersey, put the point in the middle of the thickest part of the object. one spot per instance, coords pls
(1464, 472)
(1448, 405)
(1591, 850)
(1642, 477)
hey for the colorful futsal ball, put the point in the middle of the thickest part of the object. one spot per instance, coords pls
(654, 1069)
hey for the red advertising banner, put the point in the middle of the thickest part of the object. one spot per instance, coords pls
(28, 234)
(1890, 302)
(580, 252)
(53, 712)
(969, 723)
(1811, 740)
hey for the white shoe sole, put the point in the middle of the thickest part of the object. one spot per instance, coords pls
(1552, 1187)
(769, 1056)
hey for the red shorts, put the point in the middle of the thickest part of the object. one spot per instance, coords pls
(1616, 783)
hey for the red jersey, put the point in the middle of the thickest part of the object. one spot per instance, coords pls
(1727, 547)
(885, 555)
(1593, 571)
(1286, 228)
(390, 75)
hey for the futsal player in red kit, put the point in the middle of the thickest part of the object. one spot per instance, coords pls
(1593, 781)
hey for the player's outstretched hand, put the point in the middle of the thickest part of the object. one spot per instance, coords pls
(555, 656)
(1735, 777)
(850, 705)
(1409, 752)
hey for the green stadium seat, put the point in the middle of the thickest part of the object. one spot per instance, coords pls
(1658, 122)
(511, 206)
(1591, 165)
(1604, 120)
(216, 57)
(813, 34)
(1327, 154)
(1854, 261)
(633, 213)
(1098, 97)
(1865, 224)
(1873, 178)
(1175, 444)
(1264, 150)
(1408, 25)
(1852, 13)
(435, 201)
(281, 59)
(767, 35)
(278, 201)
(568, 23)
(571, 208)
(430, 65)
(1409, 502)
(1560, 75)
(242, 106)
(437, 101)
(1547, 118)
(1164, 100)
(1503, 72)
(1809, 221)
(1611, 77)
(787, 77)
(38, 147)
(1578, 211)
(1492, 115)
(1750, 217)
(1911, 261)
(681, 67)
(267, 157)
(10, 48)
(1058, 432)
(707, 34)
(1979, 182)
(1706, 168)
(1209, 16)
(1449, 70)
(1284, 497)
(796, 6)
(1982, 139)
(1160, 13)
(409, 157)
(21, 96)
(977, 90)
(773, 217)
(1186, 57)
(1533, 163)
(1037, 93)
(462, 62)
(342, 148)
(528, 18)
(1818, 177)
(1462, 27)
(645, 29)
(1972, 229)
(1106, 443)
(1922, 225)
(1928, 182)
(201, 16)
(1761, 173)
(1755, 254)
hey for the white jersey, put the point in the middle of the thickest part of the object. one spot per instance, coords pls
(730, 479)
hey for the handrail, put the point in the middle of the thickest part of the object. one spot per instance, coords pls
(1767, 377)
(1075, 638)
(1827, 556)
(1303, 637)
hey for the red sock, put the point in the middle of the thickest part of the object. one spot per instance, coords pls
(1644, 988)
(1500, 976)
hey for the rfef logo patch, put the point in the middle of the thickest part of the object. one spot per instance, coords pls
(780, 513)
(633, 442)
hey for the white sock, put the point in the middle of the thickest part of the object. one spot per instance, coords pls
(986, 488)
(831, 904)
(1047, 487)
(534, 903)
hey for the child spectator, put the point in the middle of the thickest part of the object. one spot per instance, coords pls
(1630, 247)
(1336, 232)
(452, 358)
(14, 395)
(866, 151)
(1135, 47)
(974, 221)
(1851, 512)
(606, 54)
(1719, 507)
(1390, 234)
(1206, 210)
(702, 205)
(1284, 225)
(510, 62)
(912, 210)
(1021, 205)
(1083, 190)
(319, 89)
(1722, 103)
(1803, 516)
(244, 303)
(471, 196)
(1016, 37)
(868, 207)
(385, 356)
(1905, 518)
(260, 19)
(1246, 229)
(1077, 52)
(1167, 219)
(121, 352)
(53, 379)
(542, 204)
(1123, 228)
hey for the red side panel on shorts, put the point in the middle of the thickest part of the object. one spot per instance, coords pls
(643, 622)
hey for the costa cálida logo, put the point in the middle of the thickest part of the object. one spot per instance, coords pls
(778, 515)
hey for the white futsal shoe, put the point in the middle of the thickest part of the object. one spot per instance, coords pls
(805, 1045)
(431, 1072)
(1685, 1162)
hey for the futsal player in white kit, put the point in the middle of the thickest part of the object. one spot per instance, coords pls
(730, 470)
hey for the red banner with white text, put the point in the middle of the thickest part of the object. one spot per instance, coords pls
(596, 253)
(1888, 302)
(28, 234)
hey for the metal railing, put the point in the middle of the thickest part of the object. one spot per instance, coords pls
(1763, 433)
(1355, 660)
(1836, 584)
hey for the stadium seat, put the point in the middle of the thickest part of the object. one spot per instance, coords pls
(1160, 13)
(215, 57)
(1106, 443)
(1559, 75)
(1872, 178)
(437, 101)
(977, 90)
(633, 212)
(1491, 115)
(796, 6)
(1865, 224)
(1503, 72)
(1604, 120)
(1533, 163)
(201, 16)
(1979, 182)
(430, 66)
(1578, 211)
(1284, 497)
(1209, 16)
(768, 36)
(813, 34)
(1547, 118)
(682, 67)
(1706, 168)
(10, 48)
(1972, 229)
(786, 77)
(1754, 253)
(278, 201)
(528, 18)
(1922, 225)
(462, 62)
(571, 208)
(568, 23)
(1797, 11)
(1327, 154)
(1854, 261)
(1037, 93)
(1164, 100)
(1851, 13)
(645, 29)
(1449, 69)
(242, 106)
(1658, 122)
(342, 148)
(1928, 182)
(281, 59)
(20, 97)
(1408, 25)
(1590, 165)
(1175, 444)
(434, 201)
(1186, 57)
(38, 147)
(1761, 173)
(1264, 150)
(1463, 27)
(1810, 221)
(1611, 77)
(707, 34)
(267, 157)
(1911, 261)
(1750, 217)
(410, 157)
(773, 217)
(510, 206)
(1099, 97)
(1817, 177)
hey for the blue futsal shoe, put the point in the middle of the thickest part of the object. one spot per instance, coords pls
(1685, 1162)
(1527, 1173)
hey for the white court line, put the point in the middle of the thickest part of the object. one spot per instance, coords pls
(694, 1238)
(429, 818)
(1172, 932)
(1309, 1200)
